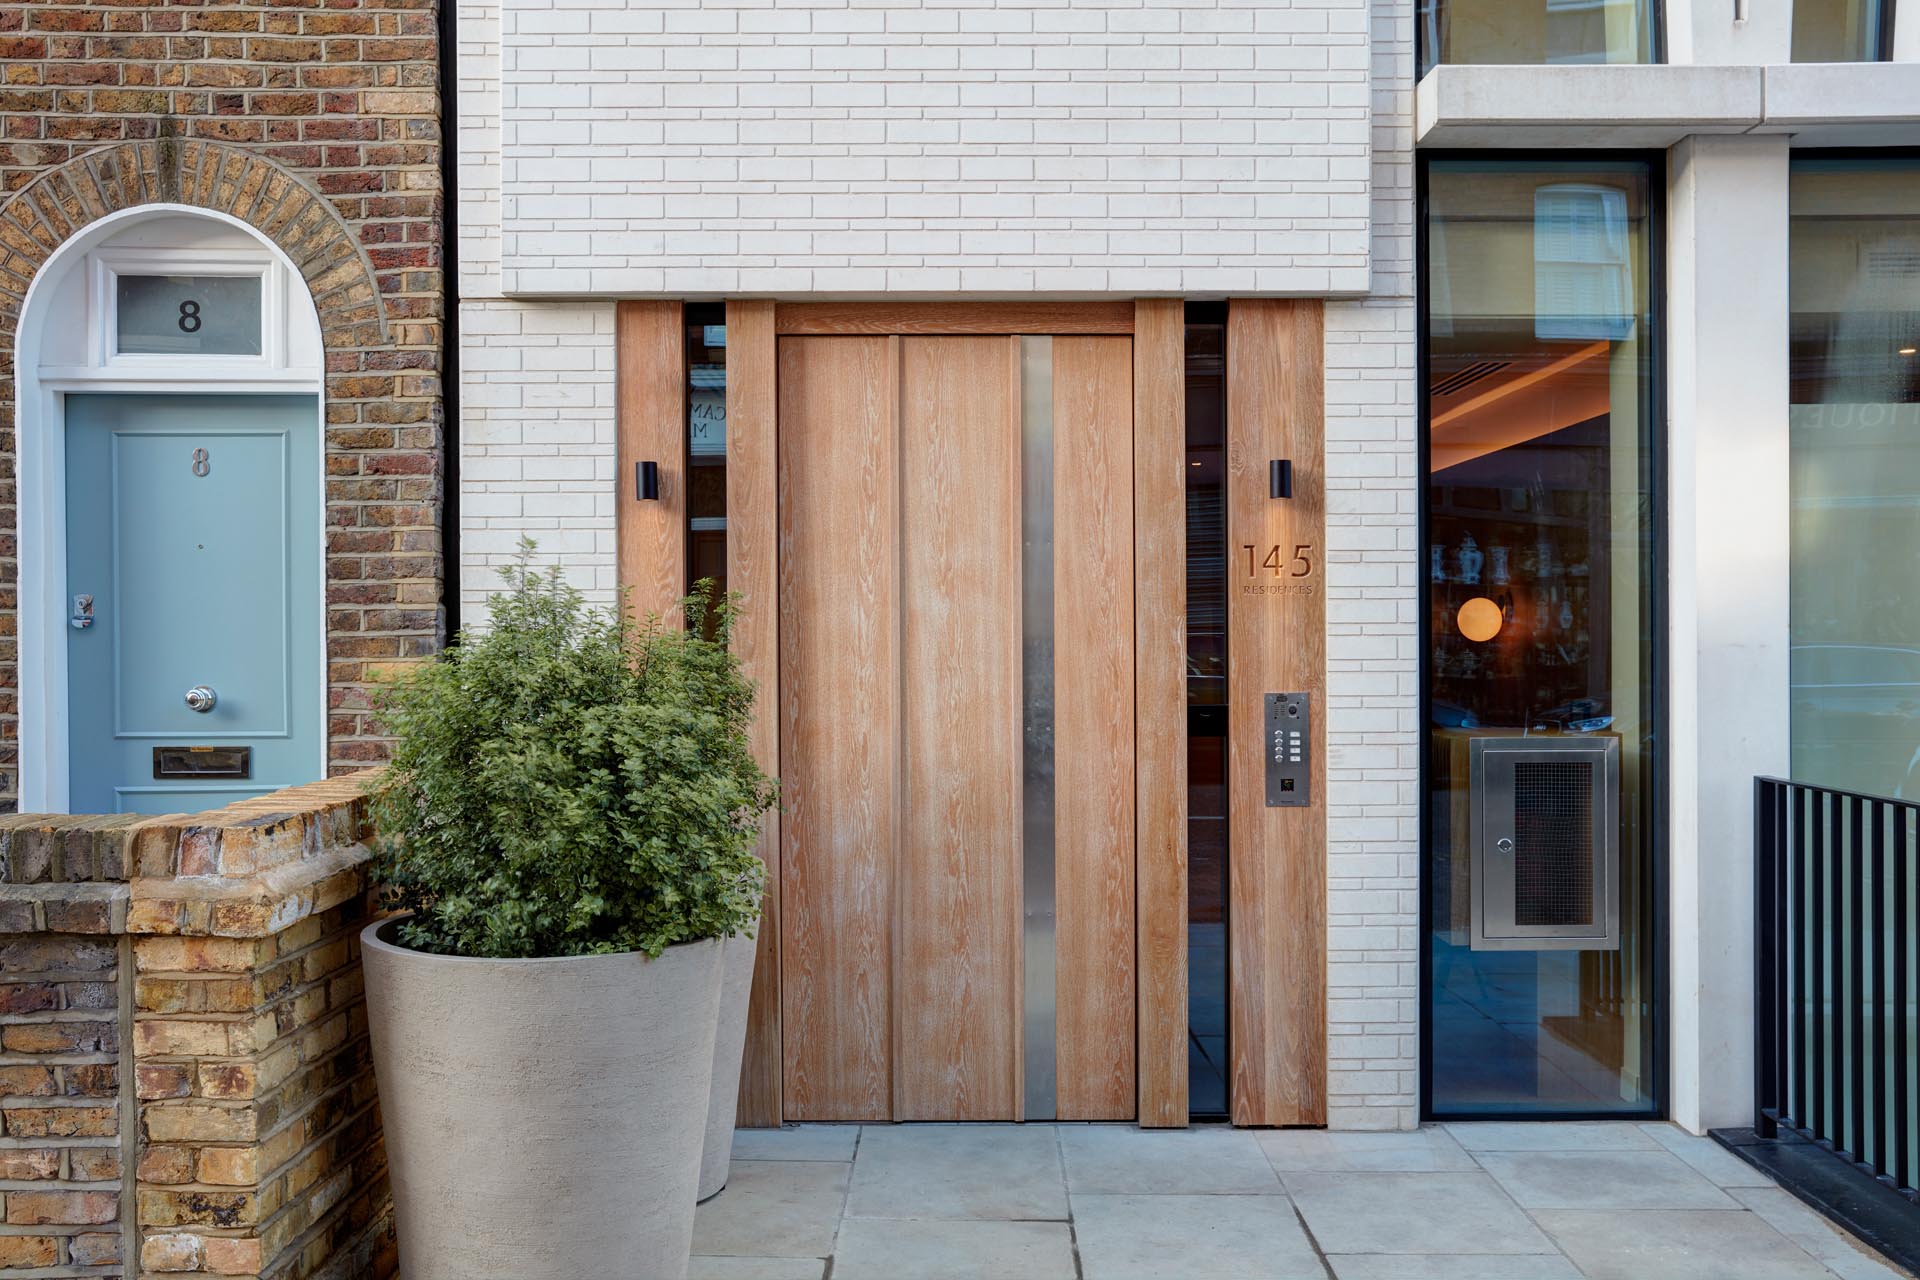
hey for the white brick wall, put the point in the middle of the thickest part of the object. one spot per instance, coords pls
(536, 443)
(1373, 659)
(930, 147)
(1008, 148)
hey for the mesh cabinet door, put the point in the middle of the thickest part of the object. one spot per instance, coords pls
(1546, 843)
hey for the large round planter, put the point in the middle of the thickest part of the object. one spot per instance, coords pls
(729, 1044)
(543, 1117)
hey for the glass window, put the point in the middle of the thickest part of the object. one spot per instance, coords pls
(1854, 588)
(1542, 609)
(187, 315)
(1207, 1052)
(707, 443)
(1842, 30)
(1536, 32)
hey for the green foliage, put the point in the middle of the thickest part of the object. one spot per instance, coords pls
(568, 782)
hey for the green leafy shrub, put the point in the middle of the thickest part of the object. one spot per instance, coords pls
(569, 782)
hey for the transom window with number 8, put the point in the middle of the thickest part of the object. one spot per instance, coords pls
(199, 315)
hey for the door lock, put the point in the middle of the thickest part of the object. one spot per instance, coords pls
(1504, 844)
(82, 616)
(201, 698)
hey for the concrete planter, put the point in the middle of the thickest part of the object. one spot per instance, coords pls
(543, 1117)
(736, 987)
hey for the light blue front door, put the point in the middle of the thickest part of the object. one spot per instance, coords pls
(193, 523)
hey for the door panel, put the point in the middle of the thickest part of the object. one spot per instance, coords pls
(1093, 726)
(839, 713)
(193, 522)
(900, 689)
(957, 981)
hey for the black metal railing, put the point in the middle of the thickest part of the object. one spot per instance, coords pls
(1835, 974)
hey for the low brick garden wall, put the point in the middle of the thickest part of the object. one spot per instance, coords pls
(186, 1084)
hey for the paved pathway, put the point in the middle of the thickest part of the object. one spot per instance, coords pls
(1109, 1202)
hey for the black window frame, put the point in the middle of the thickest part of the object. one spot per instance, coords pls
(1659, 772)
(1657, 47)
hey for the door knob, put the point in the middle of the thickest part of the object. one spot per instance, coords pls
(201, 698)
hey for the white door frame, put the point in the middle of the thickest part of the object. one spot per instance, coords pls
(40, 439)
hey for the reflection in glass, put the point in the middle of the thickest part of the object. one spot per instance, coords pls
(1206, 710)
(707, 444)
(1841, 30)
(1854, 585)
(1535, 32)
(1541, 608)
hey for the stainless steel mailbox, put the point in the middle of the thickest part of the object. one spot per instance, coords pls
(1545, 833)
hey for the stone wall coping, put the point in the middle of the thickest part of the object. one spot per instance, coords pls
(257, 907)
(245, 870)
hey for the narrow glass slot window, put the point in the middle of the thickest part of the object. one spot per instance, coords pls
(1207, 1061)
(707, 444)
(187, 315)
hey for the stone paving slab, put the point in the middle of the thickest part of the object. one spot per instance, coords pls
(1192, 1237)
(1602, 1180)
(1110, 1159)
(1496, 1201)
(959, 1171)
(919, 1249)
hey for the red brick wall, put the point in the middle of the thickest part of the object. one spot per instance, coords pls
(327, 120)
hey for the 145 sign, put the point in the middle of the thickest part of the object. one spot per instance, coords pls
(1275, 571)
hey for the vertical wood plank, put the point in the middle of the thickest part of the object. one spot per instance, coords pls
(1160, 700)
(753, 536)
(1093, 688)
(839, 727)
(1276, 642)
(957, 969)
(651, 388)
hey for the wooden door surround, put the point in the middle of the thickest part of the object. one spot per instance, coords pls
(874, 429)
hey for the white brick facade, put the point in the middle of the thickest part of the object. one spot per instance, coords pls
(1210, 149)
(932, 147)
(1373, 657)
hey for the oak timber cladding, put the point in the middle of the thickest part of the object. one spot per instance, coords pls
(1160, 704)
(839, 721)
(1093, 676)
(1276, 639)
(650, 339)
(957, 954)
(753, 572)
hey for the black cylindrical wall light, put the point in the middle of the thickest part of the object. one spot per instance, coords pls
(646, 481)
(1280, 478)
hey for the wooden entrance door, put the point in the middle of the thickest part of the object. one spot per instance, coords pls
(904, 992)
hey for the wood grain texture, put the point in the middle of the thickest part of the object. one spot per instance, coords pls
(1093, 675)
(957, 969)
(839, 723)
(955, 317)
(753, 558)
(1276, 639)
(651, 372)
(1160, 704)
